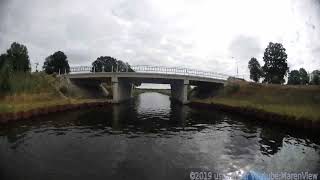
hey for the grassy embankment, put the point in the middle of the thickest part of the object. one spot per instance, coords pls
(299, 102)
(38, 90)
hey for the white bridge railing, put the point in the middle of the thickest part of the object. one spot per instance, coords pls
(154, 69)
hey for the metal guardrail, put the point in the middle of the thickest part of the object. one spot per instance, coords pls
(155, 69)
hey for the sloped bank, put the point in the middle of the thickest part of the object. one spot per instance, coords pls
(296, 106)
(25, 115)
(261, 115)
(35, 94)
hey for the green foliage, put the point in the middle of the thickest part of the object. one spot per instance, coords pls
(109, 64)
(30, 83)
(3, 60)
(316, 80)
(24, 82)
(5, 74)
(18, 57)
(55, 63)
(304, 77)
(15, 61)
(297, 101)
(294, 77)
(315, 77)
(231, 88)
(63, 89)
(255, 69)
(275, 67)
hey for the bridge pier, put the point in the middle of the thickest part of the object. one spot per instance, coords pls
(122, 89)
(179, 90)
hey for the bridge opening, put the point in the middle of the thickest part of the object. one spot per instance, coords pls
(151, 87)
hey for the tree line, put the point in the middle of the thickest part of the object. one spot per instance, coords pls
(16, 60)
(276, 68)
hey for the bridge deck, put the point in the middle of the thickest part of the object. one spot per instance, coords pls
(144, 75)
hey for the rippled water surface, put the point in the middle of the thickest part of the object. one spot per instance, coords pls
(150, 138)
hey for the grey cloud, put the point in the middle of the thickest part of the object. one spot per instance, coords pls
(244, 47)
(131, 30)
(134, 10)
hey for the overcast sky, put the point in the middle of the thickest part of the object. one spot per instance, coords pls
(201, 34)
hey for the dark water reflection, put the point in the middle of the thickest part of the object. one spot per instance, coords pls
(150, 138)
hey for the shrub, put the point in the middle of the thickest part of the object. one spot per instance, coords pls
(231, 88)
(63, 90)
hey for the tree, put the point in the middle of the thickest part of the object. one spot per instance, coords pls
(275, 67)
(108, 64)
(315, 77)
(304, 77)
(294, 77)
(3, 59)
(316, 80)
(56, 63)
(18, 56)
(255, 69)
(5, 72)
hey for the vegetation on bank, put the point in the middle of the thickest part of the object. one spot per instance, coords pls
(301, 102)
(300, 98)
(23, 90)
(37, 90)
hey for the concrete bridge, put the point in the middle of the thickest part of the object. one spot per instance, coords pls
(122, 80)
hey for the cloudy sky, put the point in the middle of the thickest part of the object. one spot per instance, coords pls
(208, 35)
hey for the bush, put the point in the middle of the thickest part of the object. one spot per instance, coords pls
(24, 82)
(231, 88)
(63, 90)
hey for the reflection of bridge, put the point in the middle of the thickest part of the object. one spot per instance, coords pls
(122, 79)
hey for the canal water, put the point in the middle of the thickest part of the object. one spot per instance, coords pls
(151, 138)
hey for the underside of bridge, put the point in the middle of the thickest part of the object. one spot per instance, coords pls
(121, 87)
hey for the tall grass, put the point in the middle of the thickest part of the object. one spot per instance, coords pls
(34, 90)
(26, 90)
(27, 83)
(299, 101)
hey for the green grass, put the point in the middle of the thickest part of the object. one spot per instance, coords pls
(297, 101)
(36, 90)
(27, 102)
(31, 83)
